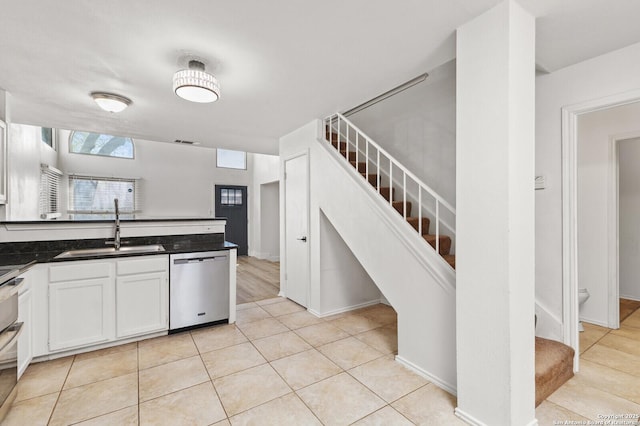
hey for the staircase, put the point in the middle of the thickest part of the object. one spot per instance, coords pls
(378, 167)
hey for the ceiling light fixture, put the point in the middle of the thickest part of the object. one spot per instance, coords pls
(110, 102)
(196, 85)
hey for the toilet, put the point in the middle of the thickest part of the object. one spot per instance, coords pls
(583, 296)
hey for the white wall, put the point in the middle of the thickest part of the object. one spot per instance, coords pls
(25, 153)
(595, 133)
(612, 73)
(344, 281)
(629, 225)
(418, 128)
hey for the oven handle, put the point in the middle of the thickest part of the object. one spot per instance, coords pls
(15, 328)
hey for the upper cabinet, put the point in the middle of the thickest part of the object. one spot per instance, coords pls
(3, 162)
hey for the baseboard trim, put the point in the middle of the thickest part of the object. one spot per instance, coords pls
(634, 298)
(468, 418)
(475, 422)
(433, 379)
(345, 309)
(592, 321)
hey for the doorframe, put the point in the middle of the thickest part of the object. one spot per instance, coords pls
(613, 208)
(569, 142)
(283, 224)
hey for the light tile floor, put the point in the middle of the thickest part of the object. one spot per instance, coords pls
(608, 382)
(282, 366)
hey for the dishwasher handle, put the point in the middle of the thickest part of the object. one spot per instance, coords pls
(198, 260)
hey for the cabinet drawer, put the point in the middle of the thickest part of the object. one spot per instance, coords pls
(73, 271)
(142, 265)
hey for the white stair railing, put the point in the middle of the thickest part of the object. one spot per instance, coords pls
(352, 139)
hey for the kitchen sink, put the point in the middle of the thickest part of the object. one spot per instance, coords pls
(110, 251)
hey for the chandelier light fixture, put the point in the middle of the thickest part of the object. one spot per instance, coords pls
(110, 102)
(196, 85)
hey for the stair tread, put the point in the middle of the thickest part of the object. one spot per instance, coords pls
(451, 259)
(554, 366)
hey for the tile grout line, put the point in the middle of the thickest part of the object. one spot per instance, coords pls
(66, 377)
(210, 378)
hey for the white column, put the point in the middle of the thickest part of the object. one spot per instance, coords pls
(495, 217)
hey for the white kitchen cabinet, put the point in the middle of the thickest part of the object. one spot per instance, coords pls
(25, 309)
(81, 304)
(94, 302)
(142, 303)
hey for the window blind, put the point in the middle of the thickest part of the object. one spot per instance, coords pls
(48, 202)
(94, 195)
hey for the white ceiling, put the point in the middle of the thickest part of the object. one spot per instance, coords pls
(280, 63)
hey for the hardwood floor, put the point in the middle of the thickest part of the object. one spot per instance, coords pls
(627, 307)
(257, 279)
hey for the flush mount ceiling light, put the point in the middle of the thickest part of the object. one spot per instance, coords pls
(196, 85)
(110, 102)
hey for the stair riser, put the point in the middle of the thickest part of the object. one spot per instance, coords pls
(415, 222)
(352, 155)
(400, 206)
(384, 191)
(362, 166)
(373, 179)
(445, 244)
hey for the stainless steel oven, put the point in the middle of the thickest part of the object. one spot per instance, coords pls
(10, 330)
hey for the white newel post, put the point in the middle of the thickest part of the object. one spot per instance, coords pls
(495, 217)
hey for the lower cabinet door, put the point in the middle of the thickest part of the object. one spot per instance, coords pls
(25, 345)
(80, 312)
(141, 304)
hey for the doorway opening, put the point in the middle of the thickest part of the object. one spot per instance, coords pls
(628, 191)
(606, 304)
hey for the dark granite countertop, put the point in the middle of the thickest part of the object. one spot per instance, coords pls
(22, 255)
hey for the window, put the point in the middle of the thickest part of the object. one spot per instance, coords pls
(91, 197)
(49, 192)
(230, 197)
(100, 144)
(228, 159)
(47, 136)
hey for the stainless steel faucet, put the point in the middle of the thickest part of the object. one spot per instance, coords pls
(116, 237)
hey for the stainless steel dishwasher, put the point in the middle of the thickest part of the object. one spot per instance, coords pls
(199, 289)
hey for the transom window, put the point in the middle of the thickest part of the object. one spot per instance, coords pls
(228, 159)
(101, 144)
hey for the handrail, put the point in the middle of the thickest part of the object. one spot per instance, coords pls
(396, 162)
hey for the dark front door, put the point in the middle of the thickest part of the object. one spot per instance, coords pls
(231, 202)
